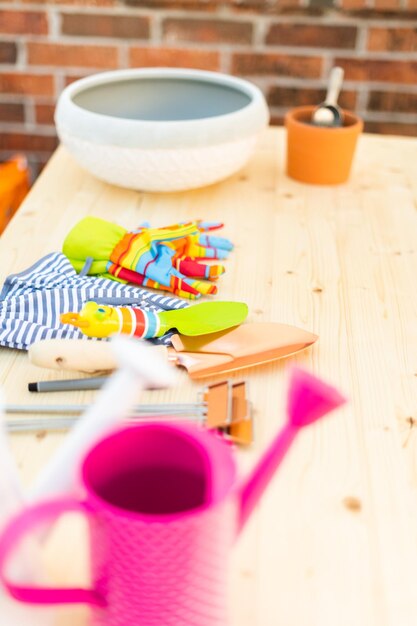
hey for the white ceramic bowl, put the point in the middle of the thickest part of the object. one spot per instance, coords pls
(161, 129)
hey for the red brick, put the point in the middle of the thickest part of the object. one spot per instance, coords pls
(387, 4)
(277, 64)
(394, 101)
(92, 25)
(277, 7)
(316, 36)
(265, 7)
(379, 70)
(63, 55)
(191, 5)
(353, 4)
(23, 23)
(12, 112)
(32, 84)
(207, 30)
(23, 141)
(8, 52)
(44, 114)
(294, 96)
(381, 14)
(276, 120)
(71, 78)
(391, 128)
(392, 39)
(81, 3)
(174, 57)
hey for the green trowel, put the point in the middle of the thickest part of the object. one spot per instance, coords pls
(98, 320)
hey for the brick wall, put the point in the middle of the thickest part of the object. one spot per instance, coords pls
(285, 46)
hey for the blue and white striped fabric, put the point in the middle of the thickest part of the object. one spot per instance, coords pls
(32, 301)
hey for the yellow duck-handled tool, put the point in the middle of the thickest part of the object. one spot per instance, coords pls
(98, 320)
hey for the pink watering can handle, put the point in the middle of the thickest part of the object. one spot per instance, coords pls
(14, 532)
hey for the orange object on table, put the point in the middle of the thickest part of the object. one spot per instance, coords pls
(320, 155)
(14, 185)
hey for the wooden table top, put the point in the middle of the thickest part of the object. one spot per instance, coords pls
(335, 539)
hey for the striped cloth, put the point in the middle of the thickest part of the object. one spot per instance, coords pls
(32, 301)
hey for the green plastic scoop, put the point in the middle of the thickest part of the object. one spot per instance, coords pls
(97, 320)
(203, 318)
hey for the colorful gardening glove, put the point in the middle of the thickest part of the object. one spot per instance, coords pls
(161, 258)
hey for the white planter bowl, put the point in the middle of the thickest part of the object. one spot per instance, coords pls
(161, 129)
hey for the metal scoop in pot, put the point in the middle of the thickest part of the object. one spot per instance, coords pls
(328, 113)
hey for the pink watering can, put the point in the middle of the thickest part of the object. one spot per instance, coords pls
(164, 507)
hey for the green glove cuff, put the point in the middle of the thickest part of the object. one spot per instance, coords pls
(92, 237)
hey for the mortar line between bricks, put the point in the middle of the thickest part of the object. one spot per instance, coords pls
(328, 63)
(327, 19)
(59, 83)
(225, 61)
(123, 56)
(124, 11)
(30, 116)
(83, 40)
(55, 22)
(361, 39)
(270, 83)
(27, 129)
(240, 48)
(260, 28)
(25, 37)
(21, 60)
(362, 97)
(385, 55)
(71, 40)
(13, 98)
(340, 52)
(314, 83)
(332, 18)
(155, 33)
(31, 70)
(391, 116)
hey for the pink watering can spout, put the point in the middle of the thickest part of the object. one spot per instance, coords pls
(309, 399)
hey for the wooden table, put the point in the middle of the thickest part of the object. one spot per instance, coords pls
(335, 540)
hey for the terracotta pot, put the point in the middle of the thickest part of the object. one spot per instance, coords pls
(318, 155)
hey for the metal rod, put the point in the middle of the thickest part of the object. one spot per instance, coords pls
(77, 384)
(65, 423)
(167, 408)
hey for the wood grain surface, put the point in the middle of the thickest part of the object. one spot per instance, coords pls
(334, 542)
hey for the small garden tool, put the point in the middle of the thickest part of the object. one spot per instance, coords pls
(328, 113)
(222, 405)
(97, 320)
(139, 367)
(254, 343)
(32, 301)
(161, 258)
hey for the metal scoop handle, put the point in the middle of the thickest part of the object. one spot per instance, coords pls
(335, 85)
